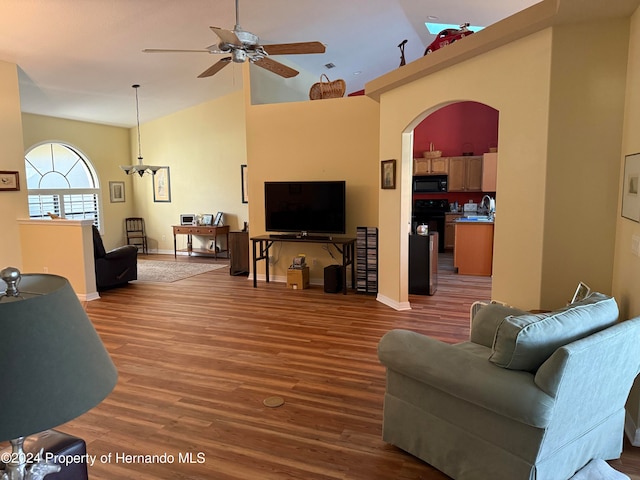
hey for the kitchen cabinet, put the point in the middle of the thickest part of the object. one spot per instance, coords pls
(450, 230)
(430, 166)
(473, 251)
(489, 172)
(465, 174)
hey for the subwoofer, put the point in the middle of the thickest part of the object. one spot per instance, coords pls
(333, 279)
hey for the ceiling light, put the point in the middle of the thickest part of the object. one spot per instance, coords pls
(140, 168)
(435, 28)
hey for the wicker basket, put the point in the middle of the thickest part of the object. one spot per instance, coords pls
(432, 154)
(327, 89)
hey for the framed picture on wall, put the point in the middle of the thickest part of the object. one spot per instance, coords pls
(162, 185)
(388, 174)
(9, 181)
(116, 192)
(630, 188)
(245, 187)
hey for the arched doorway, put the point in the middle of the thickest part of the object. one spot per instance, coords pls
(460, 139)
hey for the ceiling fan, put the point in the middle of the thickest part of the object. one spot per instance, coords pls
(243, 45)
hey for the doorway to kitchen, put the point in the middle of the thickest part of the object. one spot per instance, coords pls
(455, 144)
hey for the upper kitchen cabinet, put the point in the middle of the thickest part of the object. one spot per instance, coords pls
(489, 172)
(465, 174)
(430, 166)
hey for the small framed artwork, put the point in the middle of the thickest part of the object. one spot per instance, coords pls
(162, 185)
(631, 187)
(9, 181)
(388, 174)
(116, 192)
(218, 220)
(245, 186)
(207, 219)
(582, 292)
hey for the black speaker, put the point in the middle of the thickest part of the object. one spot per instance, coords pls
(333, 279)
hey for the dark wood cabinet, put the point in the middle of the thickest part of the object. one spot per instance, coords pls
(239, 253)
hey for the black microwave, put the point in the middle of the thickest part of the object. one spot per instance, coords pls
(430, 184)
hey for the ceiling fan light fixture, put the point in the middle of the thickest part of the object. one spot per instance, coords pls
(140, 168)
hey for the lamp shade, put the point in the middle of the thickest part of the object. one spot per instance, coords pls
(53, 365)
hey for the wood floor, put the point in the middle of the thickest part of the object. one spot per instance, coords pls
(197, 357)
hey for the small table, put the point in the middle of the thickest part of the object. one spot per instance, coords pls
(201, 231)
(345, 245)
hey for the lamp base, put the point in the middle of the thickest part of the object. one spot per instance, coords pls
(22, 466)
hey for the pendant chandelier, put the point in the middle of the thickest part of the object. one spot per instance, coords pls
(140, 168)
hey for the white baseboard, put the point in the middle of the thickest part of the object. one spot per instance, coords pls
(631, 430)
(87, 297)
(400, 306)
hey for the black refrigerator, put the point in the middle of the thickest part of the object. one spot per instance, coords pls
(423, 264)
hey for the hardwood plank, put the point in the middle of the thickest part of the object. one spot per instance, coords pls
(197, 357)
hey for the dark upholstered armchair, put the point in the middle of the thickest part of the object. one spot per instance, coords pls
(116, 267)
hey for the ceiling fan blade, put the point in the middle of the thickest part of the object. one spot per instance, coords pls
(276, 67)
(216, 67)
(294, 48)
(226, 36)
(164, 50)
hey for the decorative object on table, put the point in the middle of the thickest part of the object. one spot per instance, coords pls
(207, 219)
(56, 367)
(217, 222)
(9, 181)
(388, 174)
(422, 229)
(140, 168)
(326, 88)
(53, 216)
(244, 184)
(403, 61)
(162, 185)
(447, 36)
(116, 192)
(432, 153)
(631, 188)
(243, 46)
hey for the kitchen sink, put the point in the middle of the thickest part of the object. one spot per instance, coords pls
(475, 218)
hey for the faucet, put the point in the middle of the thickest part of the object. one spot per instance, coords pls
(489, 207)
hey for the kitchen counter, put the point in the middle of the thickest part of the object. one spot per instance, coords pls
(473, 251)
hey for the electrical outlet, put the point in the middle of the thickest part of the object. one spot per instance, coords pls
(272, 260)
(635, 245)
(314, 262)
(164, 238)
(45, 269)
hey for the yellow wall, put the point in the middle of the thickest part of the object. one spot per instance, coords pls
(204, 147)
(514, 80)
(585, 134)
(626, 274)
(13, 205)
(320, 140)
(106, 147)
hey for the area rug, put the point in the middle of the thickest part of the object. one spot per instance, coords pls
(168, 272)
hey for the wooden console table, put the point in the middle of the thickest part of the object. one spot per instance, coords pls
(345, 245)
(200, 231)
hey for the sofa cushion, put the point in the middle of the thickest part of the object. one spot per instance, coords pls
(524, 342)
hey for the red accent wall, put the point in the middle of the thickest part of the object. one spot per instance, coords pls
(458, 128)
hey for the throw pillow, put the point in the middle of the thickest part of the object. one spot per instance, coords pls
(524, 342)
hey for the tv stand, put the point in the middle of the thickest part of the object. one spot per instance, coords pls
(345, 245)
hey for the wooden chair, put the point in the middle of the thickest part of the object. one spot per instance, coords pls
(136, 234)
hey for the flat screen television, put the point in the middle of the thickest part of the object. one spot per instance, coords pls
(305, 207)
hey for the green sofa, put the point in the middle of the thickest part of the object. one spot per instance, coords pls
(529, 396)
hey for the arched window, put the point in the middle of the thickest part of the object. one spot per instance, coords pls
(62, 181)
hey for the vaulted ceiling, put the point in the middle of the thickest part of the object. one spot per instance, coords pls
(77, 59)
